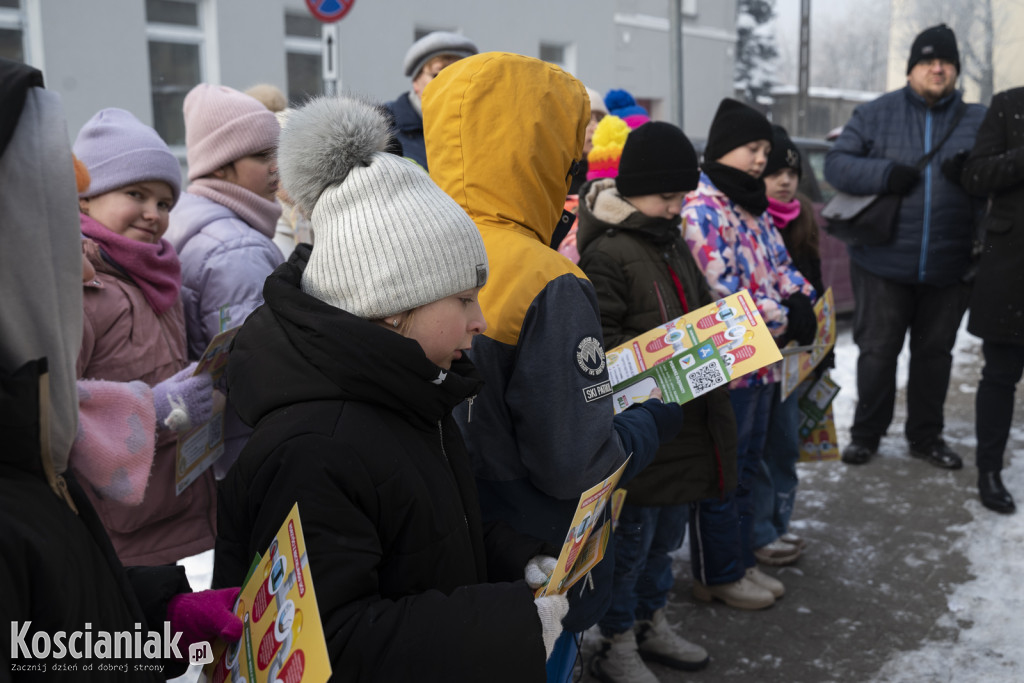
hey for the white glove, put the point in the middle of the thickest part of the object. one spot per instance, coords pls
(538, 570)
(551, 609)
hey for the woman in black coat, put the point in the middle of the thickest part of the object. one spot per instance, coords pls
(996, 168)
(349, 373)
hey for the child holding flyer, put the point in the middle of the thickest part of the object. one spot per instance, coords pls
(633, 253)
(775, 486)
(734, 242)
(135, 330)
(349, 372)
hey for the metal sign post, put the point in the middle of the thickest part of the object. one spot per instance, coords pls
(329, 54)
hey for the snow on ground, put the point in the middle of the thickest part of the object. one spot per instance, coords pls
(988, 610)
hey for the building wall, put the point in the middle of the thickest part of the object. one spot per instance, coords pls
(95, 54)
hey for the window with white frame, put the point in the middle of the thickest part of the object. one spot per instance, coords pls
(303, 54)
(174, 29)
(564, 55)
(12, 31)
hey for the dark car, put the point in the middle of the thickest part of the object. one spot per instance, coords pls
(835, 262)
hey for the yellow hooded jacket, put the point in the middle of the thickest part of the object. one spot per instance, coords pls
(502, 132)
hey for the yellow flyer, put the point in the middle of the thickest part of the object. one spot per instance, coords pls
(282, 637)
(796, 368)
(215, 357)
(820, 445)
(583, 548)
(692, 354)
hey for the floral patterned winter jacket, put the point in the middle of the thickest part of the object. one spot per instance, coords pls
(739, 251)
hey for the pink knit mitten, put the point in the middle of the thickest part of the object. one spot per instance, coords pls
(183, 401)
(113, 449)
(205, 616)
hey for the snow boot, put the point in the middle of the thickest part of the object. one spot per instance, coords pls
(619, 662)
(742, 594)
(769, 583)
(658, 642)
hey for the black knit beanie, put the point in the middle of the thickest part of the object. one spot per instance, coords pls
(937, 42)
(784, 153)
(657, 158)
(735, 124)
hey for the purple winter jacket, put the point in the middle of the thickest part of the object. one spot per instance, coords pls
(224, 262)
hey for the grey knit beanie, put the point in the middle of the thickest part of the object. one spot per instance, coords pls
(434, 45)
(388, 239)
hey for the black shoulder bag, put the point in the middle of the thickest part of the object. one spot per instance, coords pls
(870, 220)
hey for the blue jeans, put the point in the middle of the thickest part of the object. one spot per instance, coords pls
(643, 569)
(886, 310)
(1004, 366)
(563, 658)
(722, 548)
(774, 488)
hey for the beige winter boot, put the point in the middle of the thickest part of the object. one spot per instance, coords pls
(769, 583)
(742, 594)
(658, 642)
(619, 661)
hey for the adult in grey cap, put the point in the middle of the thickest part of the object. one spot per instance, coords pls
(423, 62)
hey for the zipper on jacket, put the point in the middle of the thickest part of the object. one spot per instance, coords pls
(465, 519)
(927, 222)
(469, 412)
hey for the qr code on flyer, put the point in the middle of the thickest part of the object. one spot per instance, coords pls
(704, 378)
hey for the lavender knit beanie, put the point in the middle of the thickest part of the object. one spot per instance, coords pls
(119, 150)
(223, 125)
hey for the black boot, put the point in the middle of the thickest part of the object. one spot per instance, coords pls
(993, 494)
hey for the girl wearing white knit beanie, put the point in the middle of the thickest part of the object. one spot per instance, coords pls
(350, 371)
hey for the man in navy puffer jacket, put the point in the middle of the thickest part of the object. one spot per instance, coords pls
(916, 281)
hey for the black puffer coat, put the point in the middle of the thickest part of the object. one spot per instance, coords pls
(996, 168)
(352, 421)
(630, 259)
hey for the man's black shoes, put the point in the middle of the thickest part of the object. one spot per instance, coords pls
(993, 494)
(939, 454)
(857, 453)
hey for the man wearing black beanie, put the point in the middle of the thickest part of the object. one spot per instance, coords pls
(915, 281)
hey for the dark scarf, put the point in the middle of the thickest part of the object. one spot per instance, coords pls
(740, 187)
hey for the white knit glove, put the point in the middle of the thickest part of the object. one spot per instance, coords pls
(538, 570)
(551, 609)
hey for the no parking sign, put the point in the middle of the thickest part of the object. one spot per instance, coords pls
(329, 11)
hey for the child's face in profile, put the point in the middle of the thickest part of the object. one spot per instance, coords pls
(782, 184)
(749, 158)
(139, 211)
(662, 205)
(445, 328)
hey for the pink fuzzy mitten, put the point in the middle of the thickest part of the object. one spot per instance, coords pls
(205, 616)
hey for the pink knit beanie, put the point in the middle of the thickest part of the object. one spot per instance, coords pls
(223, 125)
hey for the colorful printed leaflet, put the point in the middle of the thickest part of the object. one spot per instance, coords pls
(282, 639)
(692, 354)
(817, 426)
(583, 548)
(796, 368)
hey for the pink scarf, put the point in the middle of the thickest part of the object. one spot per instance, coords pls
(259, 213)
(153, 267)
(783, 212)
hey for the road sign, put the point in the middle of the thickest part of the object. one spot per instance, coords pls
(329, 11)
